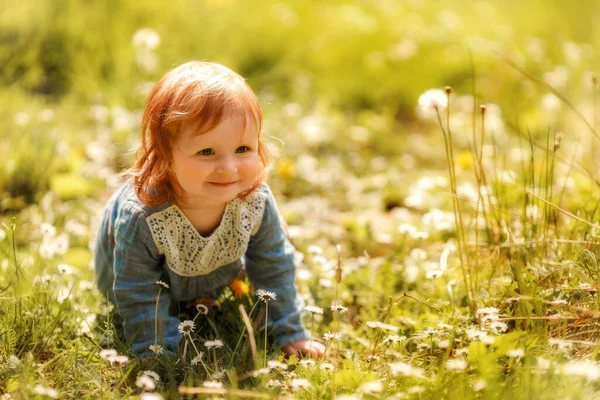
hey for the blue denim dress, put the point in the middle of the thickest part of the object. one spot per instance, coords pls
(138, 245)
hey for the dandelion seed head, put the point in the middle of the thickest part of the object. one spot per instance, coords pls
(432, 101)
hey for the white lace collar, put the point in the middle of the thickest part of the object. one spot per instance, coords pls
(190, 254)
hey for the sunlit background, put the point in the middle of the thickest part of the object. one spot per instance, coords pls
(362, 162)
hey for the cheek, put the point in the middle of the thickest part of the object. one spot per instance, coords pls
(250, 166)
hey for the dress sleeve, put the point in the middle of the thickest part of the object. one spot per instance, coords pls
(137, 266)
(270, 266)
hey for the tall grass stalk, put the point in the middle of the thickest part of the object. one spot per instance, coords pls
(247, 327)
(460, 232)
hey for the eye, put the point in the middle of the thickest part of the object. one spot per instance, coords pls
(206, 152)
(242, 149)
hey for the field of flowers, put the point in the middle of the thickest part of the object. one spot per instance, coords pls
(436, 165)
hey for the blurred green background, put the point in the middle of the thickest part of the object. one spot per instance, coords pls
(77, 71)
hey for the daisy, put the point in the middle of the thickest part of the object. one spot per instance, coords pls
(107, 354)
(332, 336)
(202, 309)
(299, 384)
(308, 362)
(196, 360)
(151, 374)
(516, 353)
(313, 309)
(276, 365)
(456, 364)
(339, 308)
(325, 366)
(145, 382)
(265, 295)
(46, 391)
(151, 396)
(217, 344)
(212, 384)
(161, 283)
(156, 348)
(186, 327)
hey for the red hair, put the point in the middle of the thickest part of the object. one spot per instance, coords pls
(197, 93)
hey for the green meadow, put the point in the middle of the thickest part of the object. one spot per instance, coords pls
(437, 165)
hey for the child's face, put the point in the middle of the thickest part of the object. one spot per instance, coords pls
(214, 167)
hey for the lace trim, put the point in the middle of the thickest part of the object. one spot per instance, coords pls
(190, 254)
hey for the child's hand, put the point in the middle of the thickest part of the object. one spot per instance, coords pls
(306, 348)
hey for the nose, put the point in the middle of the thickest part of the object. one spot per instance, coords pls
(226, 166)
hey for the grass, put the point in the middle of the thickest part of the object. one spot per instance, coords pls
(458, 244)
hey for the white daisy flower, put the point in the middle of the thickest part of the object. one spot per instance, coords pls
(276, 365)
(107, 354)
(265, 295)
(156, 349)
(161, 283)
(332, 336)
(151, 374)
(145, 382)
(186, 327)
(197, 358)
(313, 309)
(212, 384)
(299, 384)
(516, 353)
(46, 391)
(216, 344)
(339, 308)
(456, 364)
(202, 309)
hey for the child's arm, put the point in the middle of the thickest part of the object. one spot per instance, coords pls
(136, 269)
(270, 266)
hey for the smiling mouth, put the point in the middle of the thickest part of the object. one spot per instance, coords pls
(223, 184)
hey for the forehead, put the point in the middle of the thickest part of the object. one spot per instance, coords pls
(231, 125)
